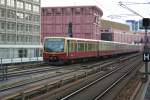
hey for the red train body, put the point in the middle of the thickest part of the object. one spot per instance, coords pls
(59, 50)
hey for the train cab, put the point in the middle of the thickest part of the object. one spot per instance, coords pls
(54, 50)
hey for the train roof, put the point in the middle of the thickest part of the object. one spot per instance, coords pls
(89, 40)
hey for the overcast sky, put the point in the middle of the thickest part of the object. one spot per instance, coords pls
(111, 9)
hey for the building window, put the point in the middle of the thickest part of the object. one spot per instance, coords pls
(2, 26)
(3, 37)
(38, 1)
(11, 3)
(28, 6)
(36, 18)
(22, 53)
(20, 27)
(29, 0)
(2, 13)
(36, 8)
(36, 29)
(11, 26)
(11, 14)
(19, 38)
(26, 39)
(2, 2)
(11, 38)
(30, 39)
(28, 28)
(36, 39)
(28, 17)
(36, 53)
(20, 4)
(20, 15)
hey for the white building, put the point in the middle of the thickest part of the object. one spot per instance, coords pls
(20, 29)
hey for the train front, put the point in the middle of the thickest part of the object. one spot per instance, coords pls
(54, 51)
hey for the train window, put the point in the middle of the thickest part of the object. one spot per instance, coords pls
(100, 46)
(96, 46)
(54, 45)
(69, 45)
(111, 46)
(89, 47)
(107, 46)
(86, 47)
(93, 46)
(80, 46)
(103, 46)
(72, 45)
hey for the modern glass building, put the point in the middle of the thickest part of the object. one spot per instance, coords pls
(20, 29)
(134, 25)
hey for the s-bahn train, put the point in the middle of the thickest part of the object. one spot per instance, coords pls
(61, 50)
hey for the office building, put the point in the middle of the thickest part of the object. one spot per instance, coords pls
(20, 29)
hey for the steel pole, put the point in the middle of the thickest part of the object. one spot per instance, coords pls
(146, 51)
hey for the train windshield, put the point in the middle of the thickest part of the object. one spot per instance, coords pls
(54, 45)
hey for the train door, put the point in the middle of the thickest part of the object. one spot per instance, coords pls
(71, 48)
(100, 48)
(68, 47)
(97, 48)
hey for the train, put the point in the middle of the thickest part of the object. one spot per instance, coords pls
(62, 50)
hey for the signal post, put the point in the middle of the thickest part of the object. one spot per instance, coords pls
(146, 52)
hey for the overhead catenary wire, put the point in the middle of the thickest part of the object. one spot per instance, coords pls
(124, 6)
(135, 3)
(108, 10)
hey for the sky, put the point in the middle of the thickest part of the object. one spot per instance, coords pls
(111, 9)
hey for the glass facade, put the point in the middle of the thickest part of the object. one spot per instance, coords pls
(11, 14)
(19, 25)
(2, 13)
(36, 28)
(36, 8)
(28, 17)
(28, 28)
(2, 2)
(11, 3)
(28, 6)
(11, 26)
(38, 1)
(19, 4)
(37, 18)
(20, 15)
(2, 26)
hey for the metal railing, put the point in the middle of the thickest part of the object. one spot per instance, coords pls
(4, 62)
(19, 60)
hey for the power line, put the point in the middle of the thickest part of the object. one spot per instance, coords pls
(120, 16)
(135, 3)
(124, 6)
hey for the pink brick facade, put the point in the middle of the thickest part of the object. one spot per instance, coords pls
(84, 21)
(123, 36)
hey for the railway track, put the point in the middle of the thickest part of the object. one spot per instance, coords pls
(45, 97)
(29, 65)
(16, 71)
(103, 85)
(73, 71)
